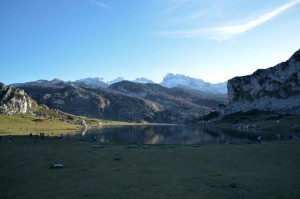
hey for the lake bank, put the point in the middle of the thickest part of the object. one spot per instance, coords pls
(19, 125)
(266, 170)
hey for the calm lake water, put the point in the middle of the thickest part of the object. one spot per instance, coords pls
(172, 134)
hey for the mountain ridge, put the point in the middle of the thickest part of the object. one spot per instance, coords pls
(170, 81)
(157, 104)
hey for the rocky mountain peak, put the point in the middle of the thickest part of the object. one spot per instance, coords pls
(178, 80)
(119, 79)
(14, 100)
(56, 80)
(143, 80)
(96, 81)
(273, 89)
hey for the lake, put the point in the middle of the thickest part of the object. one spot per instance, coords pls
(172, 134)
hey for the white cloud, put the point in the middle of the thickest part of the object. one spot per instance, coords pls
(101, 4)
(229, 31)
(226, 32)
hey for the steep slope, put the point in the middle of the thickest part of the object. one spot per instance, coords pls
(272, 89)
(171, 80)
(14, 100)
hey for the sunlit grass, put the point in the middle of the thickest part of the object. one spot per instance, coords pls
(24, 125)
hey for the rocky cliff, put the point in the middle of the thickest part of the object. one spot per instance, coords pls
(273, 89)
(14, 100)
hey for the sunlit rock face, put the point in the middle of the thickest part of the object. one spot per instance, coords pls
(14, 100)
(273, 89)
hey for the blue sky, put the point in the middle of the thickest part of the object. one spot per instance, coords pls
(213, 40)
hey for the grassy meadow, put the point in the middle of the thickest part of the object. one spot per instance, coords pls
(266, 170)
(24, 125)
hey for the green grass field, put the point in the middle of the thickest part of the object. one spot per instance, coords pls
(24, 125)
(266, 170)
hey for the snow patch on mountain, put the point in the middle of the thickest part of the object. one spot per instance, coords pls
(143, 81)
(96, 81)
(119, 79)
(178, 80)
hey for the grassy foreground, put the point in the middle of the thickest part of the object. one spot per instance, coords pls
(266, 170)
(24, 125)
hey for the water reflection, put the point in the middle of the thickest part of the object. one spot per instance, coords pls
(168, 135)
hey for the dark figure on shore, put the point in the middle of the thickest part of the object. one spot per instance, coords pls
(30, 135)
(0, 138)
(36, 136)
(10, 139)
(258, 139)
(42, 135)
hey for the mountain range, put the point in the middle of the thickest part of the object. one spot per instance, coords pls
(123, 101)
(169, 81)
(177, 99)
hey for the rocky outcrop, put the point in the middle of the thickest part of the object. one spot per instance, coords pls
(272, 89)
(14, 100)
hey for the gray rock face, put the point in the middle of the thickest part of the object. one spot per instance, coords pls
(14, 100)
(272, 89)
